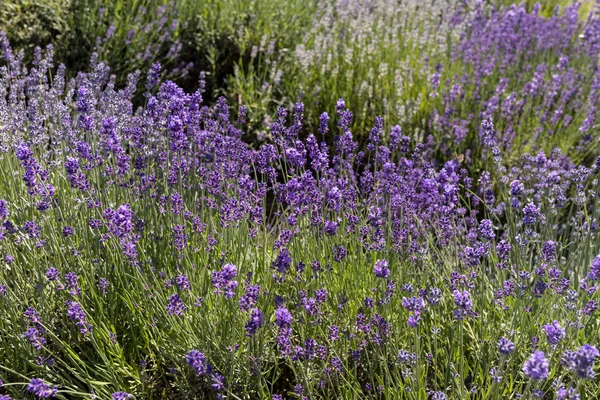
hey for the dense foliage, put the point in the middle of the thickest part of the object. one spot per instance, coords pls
(441, 243)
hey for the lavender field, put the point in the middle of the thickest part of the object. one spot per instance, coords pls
(268, 199)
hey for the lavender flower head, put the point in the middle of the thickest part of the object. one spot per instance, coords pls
(536, 367)
(76, 313)
(52, 274)
(197, 361)
(283, 318)
(121, 396)
(438, 396)
(381, 269)
(175, 305)
(531, 214)
(505, 346)
(486, 229)
(463, 302)
(223, 280)
(41, 389)
(554, 332)
(257, 319)
(581, 362)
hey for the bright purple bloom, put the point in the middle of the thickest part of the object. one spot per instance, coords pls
(183, 282)
(536, 367)
(218, 382)
(463, 303)
(41, 389)
(531, 214)
(52, 274)
(257, 319)
(505, 346)
(554, 332)
(486, 229)
(3, 209)
(438, 396)
(197, 361)
(581, 362)
(76, 313)
(223, 280)
(121, 396)
(283, 318)
(381, 269)
(175, 306)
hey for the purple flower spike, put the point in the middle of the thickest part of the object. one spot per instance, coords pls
(536, 367)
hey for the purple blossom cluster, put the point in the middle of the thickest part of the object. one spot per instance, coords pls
(523, 66)
(294, 265)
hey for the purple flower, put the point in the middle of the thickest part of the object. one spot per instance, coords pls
(257, 319)
(554, 332)
(590, 307)
(248, 300)
(197, 361)
(581, 362)
(52, 274)
(223, 280)
(413, 320)
(434, 296)
(404, 357)
(176, 203)
(330, 227)
(33, 336)
(68, 231)
(218, 382)
(283, 261)
(531, 214)
(463, 303)
(381, 269)
(72, 285)
(594, 273)
(179, 238)
(536, 367)
(175, 305)
(33, 230)
(182, 282)
(103, 285)
(3, 209)
(323, 123)
(23, 152)
(505, 346)
(438, 396)
(549, 251)
(153, 76)
(413, 303)
(76, 313)
(486, 229)
(283, 318)
(41, 389)
(339, 253)
(121, 396)
(121, 221)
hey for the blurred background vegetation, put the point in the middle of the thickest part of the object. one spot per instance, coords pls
(378, 55)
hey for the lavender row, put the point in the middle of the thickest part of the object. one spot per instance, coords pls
(151, 252)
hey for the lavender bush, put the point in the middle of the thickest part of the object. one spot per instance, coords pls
(439, 70)
(152, 253)
(536, 77)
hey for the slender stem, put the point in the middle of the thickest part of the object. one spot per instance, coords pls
(461, 360)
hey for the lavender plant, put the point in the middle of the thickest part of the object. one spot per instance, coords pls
(152, 252)
(440, 70)
(535, 77)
